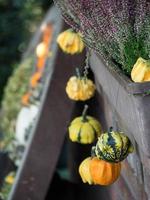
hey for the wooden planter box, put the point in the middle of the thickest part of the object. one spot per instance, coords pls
(124, 101)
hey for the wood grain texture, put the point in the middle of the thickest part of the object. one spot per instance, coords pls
(132, 111)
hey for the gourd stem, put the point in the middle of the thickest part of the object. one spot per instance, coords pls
(84, 113)
(110, 130)
(70, 29)
(78, 72)
(93, 152)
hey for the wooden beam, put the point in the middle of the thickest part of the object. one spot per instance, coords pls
(42, 153)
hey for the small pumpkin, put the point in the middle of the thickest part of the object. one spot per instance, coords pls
(80, 88)
(40, 62)
(99, 172)
(47, 33)
(42, 50)
(26, 99)
(70, 42)
(10, 178)
(84, 129)
(35, 79)
(104, 173)
(113, 146)
(141, 70)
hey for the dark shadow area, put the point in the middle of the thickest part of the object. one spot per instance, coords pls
(70, 191)
(6, 166)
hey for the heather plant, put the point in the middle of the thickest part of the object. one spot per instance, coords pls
(117, 30)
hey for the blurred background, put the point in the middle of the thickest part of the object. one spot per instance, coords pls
(18, 21)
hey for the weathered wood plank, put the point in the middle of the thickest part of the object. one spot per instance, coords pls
(132, 110)
(44, 148)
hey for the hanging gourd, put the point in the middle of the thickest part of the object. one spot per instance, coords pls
(99, 172)
(112, 146)
(70, 42)
(42, 50)
(84, 129)
(80, 88)
(141, 70)
(104, 173)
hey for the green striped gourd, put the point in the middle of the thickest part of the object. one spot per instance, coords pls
(84, 129)
(113, 146)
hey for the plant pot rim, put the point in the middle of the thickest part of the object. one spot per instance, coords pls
(131, 87)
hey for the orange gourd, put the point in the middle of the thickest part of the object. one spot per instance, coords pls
(104, 173)
(40, 62)
(26, 98)
(35, 79)
(99, 172)
(84, 171)
(47, 33)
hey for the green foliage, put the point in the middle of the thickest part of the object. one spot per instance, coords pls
(17, 86)
(6, 188)
(4, 194)
(18, 20)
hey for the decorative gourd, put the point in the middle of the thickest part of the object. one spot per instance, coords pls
(25, 119)
(42, 50)
(84, 129)
(47, 30)
(113, 146)
(41, 62)
(35, 79)
(99, 172)
(141, 70)
(10, 178)
(84, 171)
(104, 173)
(70, 42)
(80, 88)
(26, 99)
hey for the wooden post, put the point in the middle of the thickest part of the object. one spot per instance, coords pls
(42, 153)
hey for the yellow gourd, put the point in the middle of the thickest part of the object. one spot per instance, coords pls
(84, 171)
(84, 129)
(10, 178)
(70, 42)
(80, 88)
(141, 70)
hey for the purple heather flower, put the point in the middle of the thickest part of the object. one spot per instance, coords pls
(117, 29)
